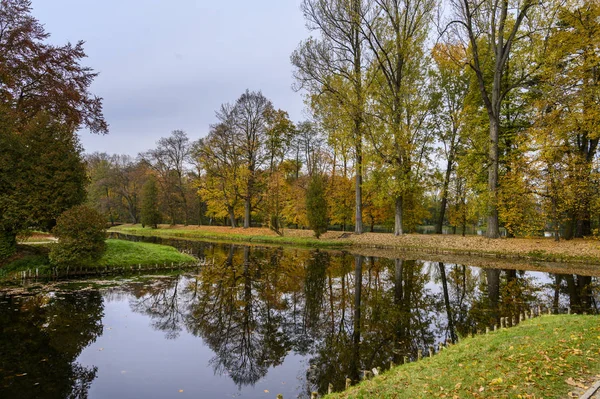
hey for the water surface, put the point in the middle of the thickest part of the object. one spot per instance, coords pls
(259, 321)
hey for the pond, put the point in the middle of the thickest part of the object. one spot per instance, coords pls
(258, 321)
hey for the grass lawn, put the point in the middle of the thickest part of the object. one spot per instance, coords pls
(118, 253)
(302, 238)
(126, 253)
(545, 357)
(539, 249)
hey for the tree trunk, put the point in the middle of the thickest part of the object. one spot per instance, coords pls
(493, 230)
(398, 229)
(440, 222)
(358, 115)
(247, 212)
(358, 228)
(232, 217)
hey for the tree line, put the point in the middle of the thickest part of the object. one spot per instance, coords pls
(478, 114)
(486, 116)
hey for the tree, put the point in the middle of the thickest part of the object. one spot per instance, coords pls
(316, 205)
(250, 116)
(41, 175)
(45, 100)
(335, 64)
(395, 31)
(569, 114)
(488, 31)
(150, 215)
(452, 85)
(81, 233)
(170, 160)
(221, 162)
(279, 134)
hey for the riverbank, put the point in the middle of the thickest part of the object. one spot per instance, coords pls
(544, 357)
(538, 249)
(119, 254)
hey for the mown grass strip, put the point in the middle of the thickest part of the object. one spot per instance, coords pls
(230, 237)
(118, 254)
(539, 358)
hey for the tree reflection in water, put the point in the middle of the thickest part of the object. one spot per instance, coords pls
(343, 313)
(41, 337)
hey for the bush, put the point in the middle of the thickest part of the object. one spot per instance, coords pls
(150, 215)
(81, 234)
(316, 205)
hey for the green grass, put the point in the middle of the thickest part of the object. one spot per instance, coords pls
(531, 360)
(118, 253)
(228, 237)
(127, 253)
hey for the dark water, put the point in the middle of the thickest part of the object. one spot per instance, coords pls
(259, 322)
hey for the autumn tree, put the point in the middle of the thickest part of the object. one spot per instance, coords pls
(488, 31)
(250, 119)
(452, 82)
(279, 135)
(170, 160)
(221, 163)
(335, 63)
(569, 116)
(316, 205)
(45, 100)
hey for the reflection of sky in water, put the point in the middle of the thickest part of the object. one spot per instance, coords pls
(134, 360)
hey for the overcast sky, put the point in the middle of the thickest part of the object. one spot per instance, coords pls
(167, 65)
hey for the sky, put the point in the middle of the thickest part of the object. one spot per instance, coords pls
(167, 65)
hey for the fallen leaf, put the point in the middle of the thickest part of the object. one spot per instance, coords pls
(574, 383)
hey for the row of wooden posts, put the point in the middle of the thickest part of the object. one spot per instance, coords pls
(505, 322)
(30, 274)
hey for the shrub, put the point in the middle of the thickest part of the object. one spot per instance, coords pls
(149, 214)
(81, 233)
(316, 205)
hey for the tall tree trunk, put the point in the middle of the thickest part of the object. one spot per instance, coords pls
(232, 216)
(440, 222)
(247, 212)
(493, 229)
(358, 227)
(358, 114)
(398, 228)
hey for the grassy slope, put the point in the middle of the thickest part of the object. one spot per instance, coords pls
(540, 249)
(126, 253)
(118, 253)
(533, 360)
(234, 235)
